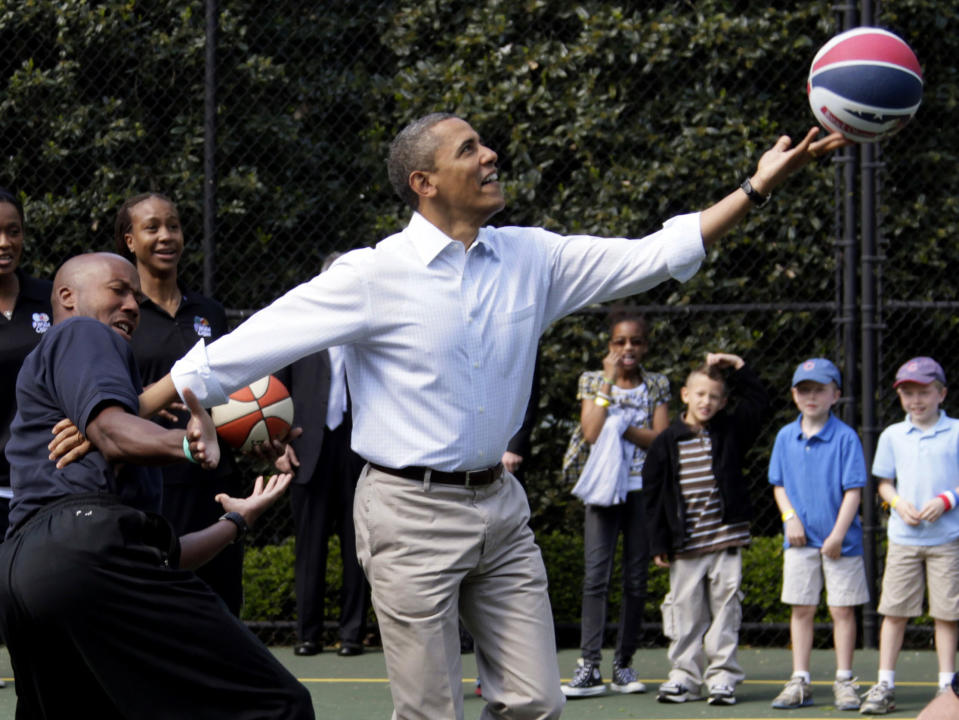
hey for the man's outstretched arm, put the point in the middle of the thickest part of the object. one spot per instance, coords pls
(774, 167)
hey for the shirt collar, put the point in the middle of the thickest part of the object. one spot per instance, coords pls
(938, 427)
(825, 433)
(185, 298)
(429, 241)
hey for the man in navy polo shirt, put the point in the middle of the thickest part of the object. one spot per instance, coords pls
(94, 606)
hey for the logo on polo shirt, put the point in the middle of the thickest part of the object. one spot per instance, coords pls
(201, 326)
(41, 322)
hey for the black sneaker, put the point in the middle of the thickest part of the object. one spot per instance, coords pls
(587, 681)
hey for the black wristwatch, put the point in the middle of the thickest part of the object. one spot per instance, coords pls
(241, 527)
(757, 198)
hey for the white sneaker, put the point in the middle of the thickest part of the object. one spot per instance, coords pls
(879, 700)
(796, 694)
(721, 695)
(674, 692)
(845, 694)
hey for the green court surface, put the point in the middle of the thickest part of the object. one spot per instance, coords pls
(356, 687)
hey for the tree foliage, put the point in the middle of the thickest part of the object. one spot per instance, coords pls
(609, 117)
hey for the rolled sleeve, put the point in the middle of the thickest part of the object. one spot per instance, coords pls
(193, 371)
(687, 249)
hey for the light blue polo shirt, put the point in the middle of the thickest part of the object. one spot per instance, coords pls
(923, 463)
(816, 472)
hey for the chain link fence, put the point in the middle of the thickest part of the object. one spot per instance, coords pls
(608, 118)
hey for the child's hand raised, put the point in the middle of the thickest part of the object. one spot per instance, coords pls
(725, 360)
(611, 366)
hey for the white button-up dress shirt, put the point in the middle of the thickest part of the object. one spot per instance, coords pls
(440, 341)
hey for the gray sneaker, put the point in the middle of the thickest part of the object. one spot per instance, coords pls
(879, 700)
(796, 694)
(625, 680)
(845, 694)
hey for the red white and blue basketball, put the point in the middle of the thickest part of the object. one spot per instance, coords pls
(259, 412)
(865, 83)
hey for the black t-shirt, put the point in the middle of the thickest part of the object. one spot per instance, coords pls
(18, 336)
(161, 340)
(79, 367)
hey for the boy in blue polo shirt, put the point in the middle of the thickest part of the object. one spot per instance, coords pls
(917, 468)
(817, 471)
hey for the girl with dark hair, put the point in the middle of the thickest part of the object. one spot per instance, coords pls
(625, 399)
(24, 317)
(173, 319)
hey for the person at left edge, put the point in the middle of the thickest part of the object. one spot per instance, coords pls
(96, 607)
(24, 317)
(148, 233)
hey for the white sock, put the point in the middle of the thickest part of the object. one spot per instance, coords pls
(945, 679)
(844, 674)
(804, 674)
(888, 677)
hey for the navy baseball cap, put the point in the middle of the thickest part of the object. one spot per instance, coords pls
(922, 370)
(818, 370)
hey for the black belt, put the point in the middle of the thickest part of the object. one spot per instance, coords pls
(467, 478)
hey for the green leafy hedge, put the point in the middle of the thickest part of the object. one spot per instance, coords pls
(269, 593)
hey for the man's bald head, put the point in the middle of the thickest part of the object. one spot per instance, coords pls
(102, 286)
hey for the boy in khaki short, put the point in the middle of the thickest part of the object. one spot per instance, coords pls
(817, 471)
(917, 466)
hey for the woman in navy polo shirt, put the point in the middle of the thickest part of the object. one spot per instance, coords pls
(172, 319)
(24, 317)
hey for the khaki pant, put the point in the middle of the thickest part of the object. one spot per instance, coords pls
(435, 553)
(701, 617)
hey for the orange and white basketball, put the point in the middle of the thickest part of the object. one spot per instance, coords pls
(257, 413)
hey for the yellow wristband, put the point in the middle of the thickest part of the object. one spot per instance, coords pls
(602, 402)
(607, 381)
(789, 515)
(894, 502)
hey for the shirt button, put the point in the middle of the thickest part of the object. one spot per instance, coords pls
(476, 364)
(482, 409)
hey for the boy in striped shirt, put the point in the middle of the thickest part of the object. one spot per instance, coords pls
(698, 513)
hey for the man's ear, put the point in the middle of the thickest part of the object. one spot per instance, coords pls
(422, 183)
(66, 297)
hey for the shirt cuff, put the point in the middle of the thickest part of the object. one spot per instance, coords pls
(193, 371)
(686, 246)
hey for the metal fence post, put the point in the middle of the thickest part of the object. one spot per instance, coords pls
(209, 151)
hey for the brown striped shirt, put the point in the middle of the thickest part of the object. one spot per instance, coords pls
(705, 531)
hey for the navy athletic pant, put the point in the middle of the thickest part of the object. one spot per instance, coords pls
(99, 624)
